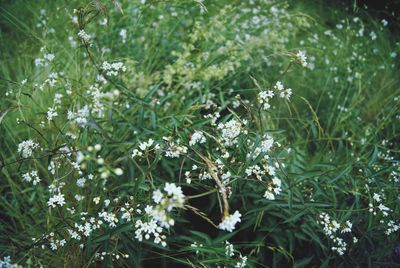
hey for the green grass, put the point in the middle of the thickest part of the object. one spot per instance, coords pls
(338, 133)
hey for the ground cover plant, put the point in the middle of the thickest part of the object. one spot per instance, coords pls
(198, 134)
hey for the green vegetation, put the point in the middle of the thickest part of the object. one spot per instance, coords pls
(196, 133)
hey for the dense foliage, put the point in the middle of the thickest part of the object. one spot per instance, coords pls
(198, 134)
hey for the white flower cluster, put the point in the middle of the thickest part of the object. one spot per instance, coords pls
(98, 97)
(55, 200)
(333, 229)
(302, 58)
(379, 206)
(228, 222)
(85, 228)
(174, 149)
(148, 229)
(113, 69)
(392, 227)
(80, 117)
(230, 252)
(213, 118)
(273, 188)
(6, 263)
(54, 242)
(172, 198)
(45, 61)
(197, 137)
(31, 177)
(230, 131)
(109, 218)
(85, 37)
(27, 147)
(123, 34)
(128, 211)
(242, 262)
(281, 91)
(266, 95)
(51, 113)
(144, 147)
(51, 80)
(158, 219)
(266, 145)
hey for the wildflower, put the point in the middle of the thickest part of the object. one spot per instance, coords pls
(27, 147)
(31, 177)
(6, 263)
(333, 229)
(122, 33)
(229, 250)
(113, 69)
(148, 229)
(230, 131)
(242, 262)
(157, 196)
(264, 97)
(51, 113)
(197, 137)
(302, 58)
(49, 57)
(283, 93)
(81, 182)
(228, 223)
(84, 36)
(55, 200)
(174, 149)
(372, 35)
(80, 117)
(265, 146)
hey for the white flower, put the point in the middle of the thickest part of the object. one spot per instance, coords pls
(301, 56)
(264, 97)
(81, 182)
(282, 92)
(372, 35)
(229, 250)
(57, 199)
(51, 113)
(27, 147)
(197, 137)
(113, 69)
(157, 196)
(49, 57)
(84, 36)
(176, 193)
(31, 177)
(174, 149)
(242, 262)
(80, 117)
(230, 131)
(229, 222)
(123, 33)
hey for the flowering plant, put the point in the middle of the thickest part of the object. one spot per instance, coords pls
(148, 133)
